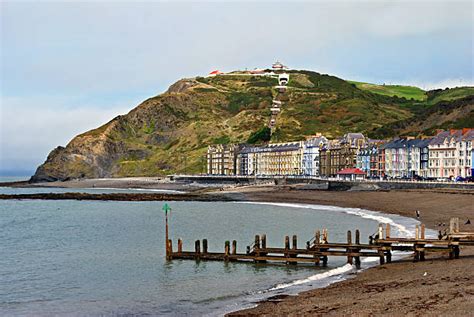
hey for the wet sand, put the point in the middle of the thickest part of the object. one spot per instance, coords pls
(437, 286)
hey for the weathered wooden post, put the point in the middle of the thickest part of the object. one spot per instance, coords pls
(197, 249)
(317, 241)
(325, 241)
(287, 247)
(422, 237)
(454, 225)
(170, 250)
(294, 248)
(180, 246)
(387, 231)
(226, 250)
(349, 249)
(357, 241)
(234, 247)
(416, 252)
(381, 255)
(264, 241)
(380, 233)
(204, 246)
(256, 246)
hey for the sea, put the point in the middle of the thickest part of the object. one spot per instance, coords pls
(108, 258)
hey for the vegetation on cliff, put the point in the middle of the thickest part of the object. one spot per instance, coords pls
(170, 133)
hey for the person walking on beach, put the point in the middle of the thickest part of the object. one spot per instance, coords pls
(417, 214)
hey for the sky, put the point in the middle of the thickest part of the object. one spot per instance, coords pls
(69, 66)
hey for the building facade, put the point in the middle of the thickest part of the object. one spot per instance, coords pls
(341, 154)
(450, 154)
(311, 158)
(221, 159)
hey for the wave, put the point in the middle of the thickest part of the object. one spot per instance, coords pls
(403, 226)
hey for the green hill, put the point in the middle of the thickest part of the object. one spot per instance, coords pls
(170, 132)
(408, 92)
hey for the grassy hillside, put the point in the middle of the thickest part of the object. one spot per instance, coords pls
(170, 133)
(449, 94)
(408, 92)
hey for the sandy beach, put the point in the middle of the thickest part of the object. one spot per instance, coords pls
(437, 286)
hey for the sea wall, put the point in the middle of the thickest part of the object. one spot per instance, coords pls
(322, 184)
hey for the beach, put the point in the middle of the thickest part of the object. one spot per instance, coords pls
(437, 286)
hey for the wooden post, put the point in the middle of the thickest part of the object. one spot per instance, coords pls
(257, 242)
(204, 246)
(226, 250)
(422, 246)
(170, 250)
(417, 232)
(264, 241)
(325, 241)
(234, 247)
(381, 256)
(349, 249)
(387, 231)
(295, 242)
(180, 246)
(197, 249)
(454, 225)
(389, 255)
(416, 255)
(287, 246)
(380, 233)
(357, 241)
(317, 237)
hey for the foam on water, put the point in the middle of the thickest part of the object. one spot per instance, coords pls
(403, 227)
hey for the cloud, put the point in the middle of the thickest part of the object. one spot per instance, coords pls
(32, 126)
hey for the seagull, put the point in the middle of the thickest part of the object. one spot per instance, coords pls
(425, 274)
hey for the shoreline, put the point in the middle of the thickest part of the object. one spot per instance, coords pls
(436, 286)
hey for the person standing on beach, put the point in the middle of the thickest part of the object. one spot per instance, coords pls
(417, 214)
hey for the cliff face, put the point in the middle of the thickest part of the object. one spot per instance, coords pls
(170, 132)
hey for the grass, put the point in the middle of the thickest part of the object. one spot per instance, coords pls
(436, 96)
(407, 92)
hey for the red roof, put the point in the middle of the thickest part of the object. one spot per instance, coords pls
(215, 72)
(350, 171)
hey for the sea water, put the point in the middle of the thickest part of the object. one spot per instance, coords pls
(108, 258)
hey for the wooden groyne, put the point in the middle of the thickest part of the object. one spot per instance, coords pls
(120, 196)
(318, 249)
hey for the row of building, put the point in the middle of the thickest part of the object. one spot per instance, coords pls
(448, 154)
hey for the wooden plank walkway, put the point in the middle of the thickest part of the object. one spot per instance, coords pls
(318, 249)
